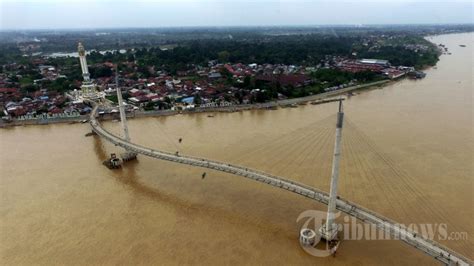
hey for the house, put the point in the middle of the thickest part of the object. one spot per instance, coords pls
(139, 99)
(214, 75)
(188, 100)
(135, 92)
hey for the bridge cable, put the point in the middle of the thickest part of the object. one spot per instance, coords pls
(282, 141)
(376, 169)
(316, 150)
(289, 160)
(367, 172)
(409, 184)
(166, 135)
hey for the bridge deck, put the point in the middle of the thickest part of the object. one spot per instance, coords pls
(430, 247)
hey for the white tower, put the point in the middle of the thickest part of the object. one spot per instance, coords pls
(82, 59)
(329, 230)
(88, 89)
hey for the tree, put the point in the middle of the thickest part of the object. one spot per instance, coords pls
(13, 78)
(97, 72)
(197, 99)
(223, 56)
(149, 106)
(59, 85)
(30, 88)
(246, 83)
(144, 71)
(239, 96)
(130, 58)
(167, 100)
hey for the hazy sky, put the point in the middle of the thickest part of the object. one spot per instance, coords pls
(57, 14)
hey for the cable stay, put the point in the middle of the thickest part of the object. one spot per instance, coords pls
(401, 194)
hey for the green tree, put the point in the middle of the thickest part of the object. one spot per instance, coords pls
(197, 99)
(149, 106)
(223, 56)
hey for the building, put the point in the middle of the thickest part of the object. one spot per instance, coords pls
(375, 62)
(88, 88)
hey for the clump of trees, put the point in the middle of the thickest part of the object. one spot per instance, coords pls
(100, 71)
(299, 50)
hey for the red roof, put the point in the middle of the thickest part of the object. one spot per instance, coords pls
(109, 64)
(230, 69)
(296, 79)
(358, 67)
(8, 90)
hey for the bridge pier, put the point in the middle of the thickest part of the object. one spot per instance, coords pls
(128, 156)
(307, 237)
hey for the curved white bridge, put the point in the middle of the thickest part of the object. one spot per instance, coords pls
(432, 248)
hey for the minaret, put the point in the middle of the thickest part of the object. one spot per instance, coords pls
(329, 230)
(82, 59)
(88, 88)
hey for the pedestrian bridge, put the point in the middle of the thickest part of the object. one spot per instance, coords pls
(434, 249)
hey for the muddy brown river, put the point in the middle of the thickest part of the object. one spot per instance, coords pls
(407, 153)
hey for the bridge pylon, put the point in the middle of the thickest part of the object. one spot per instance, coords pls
(127, 155)
(329, 230)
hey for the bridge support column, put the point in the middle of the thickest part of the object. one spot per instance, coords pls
(128, 155)
(329, 230)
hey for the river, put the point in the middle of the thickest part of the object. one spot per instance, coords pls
(407, 153)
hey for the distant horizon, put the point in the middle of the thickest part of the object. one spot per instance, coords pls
(240, 26)
(108, 14)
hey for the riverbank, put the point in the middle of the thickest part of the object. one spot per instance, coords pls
(233, 108)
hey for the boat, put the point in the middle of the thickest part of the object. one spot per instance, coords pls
(92, 133)
(416, 75)
(210, 115)
(462, 45)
